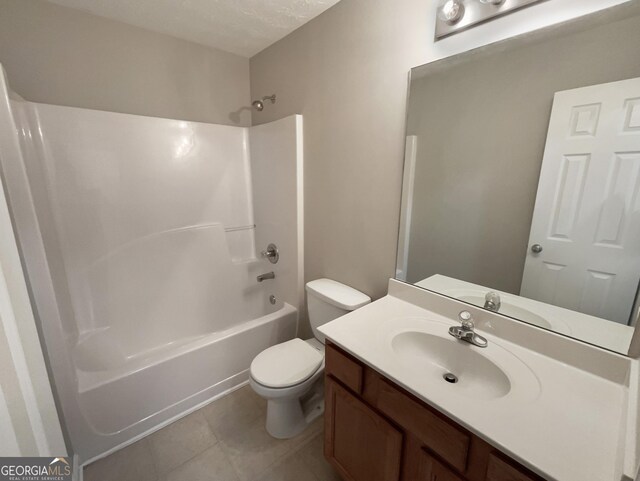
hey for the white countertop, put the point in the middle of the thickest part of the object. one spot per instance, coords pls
(572, 427)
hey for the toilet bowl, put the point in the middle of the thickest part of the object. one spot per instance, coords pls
(290, 375)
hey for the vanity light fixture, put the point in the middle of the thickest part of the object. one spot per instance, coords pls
(453, 16)
(451, 11)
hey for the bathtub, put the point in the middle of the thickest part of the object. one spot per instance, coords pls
(169, 321)
(123, 403)
(141, 240)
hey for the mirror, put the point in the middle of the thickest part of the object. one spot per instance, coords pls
(522, 178)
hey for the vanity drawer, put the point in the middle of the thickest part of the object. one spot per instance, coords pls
(499, 470)
(344, 368)
(431, 470)
(437, 434)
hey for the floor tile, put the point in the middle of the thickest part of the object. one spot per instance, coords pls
(181, 441)
(262, 402)
(224, 441)
(312, 456)
(235, 412)
(133, 463)
(253, 451)
(211, 465)
(289, 469)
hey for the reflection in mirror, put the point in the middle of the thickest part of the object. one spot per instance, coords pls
(522, 178)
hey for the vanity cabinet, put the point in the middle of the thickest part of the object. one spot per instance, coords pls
(377, 431)
(363, 444)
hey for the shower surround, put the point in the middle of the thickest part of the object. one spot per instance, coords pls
(141, 238)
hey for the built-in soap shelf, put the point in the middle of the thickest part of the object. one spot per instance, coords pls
(247, 262)
(241, 244)
(239, 228)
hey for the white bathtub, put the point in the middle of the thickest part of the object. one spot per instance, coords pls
(124, 403)
(140, 237)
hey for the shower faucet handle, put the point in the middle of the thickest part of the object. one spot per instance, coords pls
(271, 253)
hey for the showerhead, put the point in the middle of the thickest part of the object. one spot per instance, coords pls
(259, 104)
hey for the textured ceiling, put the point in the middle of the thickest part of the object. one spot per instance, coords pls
(244, 27)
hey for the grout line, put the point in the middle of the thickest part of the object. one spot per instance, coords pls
(153, 453)
(297, 447)
(165, 475)
(303, 439)
(231, 463)
(309, 465)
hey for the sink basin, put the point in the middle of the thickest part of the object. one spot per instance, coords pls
(448, 367)
(476, 375)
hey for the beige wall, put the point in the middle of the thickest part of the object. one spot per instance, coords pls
(481, 126)
(62, 56)
(346, 72)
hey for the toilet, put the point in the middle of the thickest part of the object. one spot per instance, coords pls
(290, 375)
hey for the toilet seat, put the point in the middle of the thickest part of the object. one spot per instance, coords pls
(286, 364)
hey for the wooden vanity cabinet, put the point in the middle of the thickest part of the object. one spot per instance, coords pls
(429, 469)
(377, 431)
(363, 445)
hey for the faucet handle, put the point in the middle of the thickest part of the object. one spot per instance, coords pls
(271, 253)
(466, 319)
(492, 296)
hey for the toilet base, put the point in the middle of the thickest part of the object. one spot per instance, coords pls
(287, 417)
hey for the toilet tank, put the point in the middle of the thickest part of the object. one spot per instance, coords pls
(327, 300)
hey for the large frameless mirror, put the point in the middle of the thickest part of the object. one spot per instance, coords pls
(522, 178)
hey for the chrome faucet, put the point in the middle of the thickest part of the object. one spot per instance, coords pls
(272, 254)
(268, 275)
(466, 332)
(492, 301)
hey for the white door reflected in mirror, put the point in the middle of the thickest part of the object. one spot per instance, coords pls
(588, 209)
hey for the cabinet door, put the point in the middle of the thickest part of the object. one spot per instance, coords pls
(359, 443)
(501, 470)
(432, 470)
(442, 437)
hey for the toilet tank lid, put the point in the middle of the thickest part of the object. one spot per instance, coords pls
(338, 294)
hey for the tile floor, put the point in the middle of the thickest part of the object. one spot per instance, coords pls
(224, 441)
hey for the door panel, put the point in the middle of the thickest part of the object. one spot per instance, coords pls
(569, 196)
(587, 212)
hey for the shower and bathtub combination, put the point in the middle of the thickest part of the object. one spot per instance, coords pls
(141, 239)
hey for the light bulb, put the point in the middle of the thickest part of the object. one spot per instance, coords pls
(451, 11)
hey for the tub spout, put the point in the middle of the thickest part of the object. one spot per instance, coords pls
(268, 275)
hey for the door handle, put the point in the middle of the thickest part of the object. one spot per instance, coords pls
(536, 248)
